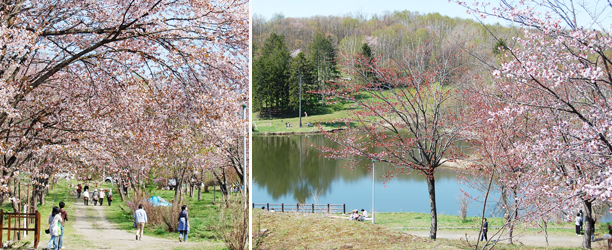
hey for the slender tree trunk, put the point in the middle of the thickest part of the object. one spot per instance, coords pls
(200, 192)
(431, 184)
(120, 192)
(589, 227)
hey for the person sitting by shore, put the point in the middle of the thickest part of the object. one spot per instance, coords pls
(355, 215)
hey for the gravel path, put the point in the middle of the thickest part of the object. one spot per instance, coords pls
(104, 235)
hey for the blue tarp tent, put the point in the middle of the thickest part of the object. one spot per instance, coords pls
(157, 201)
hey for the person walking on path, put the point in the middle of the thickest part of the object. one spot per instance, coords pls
(86, 197)
(183, 226)
(55, 220)
(140, 218)
(94, 196)
(485, 228)
(109, 197)
(578, 223)
(79, 189)
(64, 216)
(101, 196)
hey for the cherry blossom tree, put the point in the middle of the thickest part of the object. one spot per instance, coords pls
(406, 120)
(559, 73)
(87, 84)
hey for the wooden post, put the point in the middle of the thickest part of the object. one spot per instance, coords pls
(313, 208)
(327, 207)
(8, 238)
(36, 229)
(298, 207)
(283, 207)
(267, 206)
(344, 208)
(1, 223)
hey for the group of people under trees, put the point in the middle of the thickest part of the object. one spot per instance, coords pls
(59, 216)
(96, 196)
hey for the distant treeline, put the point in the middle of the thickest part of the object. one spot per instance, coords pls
(315, 49)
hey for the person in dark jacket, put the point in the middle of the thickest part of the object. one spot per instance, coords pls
(485, 228)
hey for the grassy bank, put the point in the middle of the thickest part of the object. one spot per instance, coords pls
(277, 125)
(306, 231)
(317, 231)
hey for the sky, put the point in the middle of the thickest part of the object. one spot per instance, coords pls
(303, 8)
(289, 8)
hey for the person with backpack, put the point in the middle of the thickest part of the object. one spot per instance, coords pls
(54, 228)
(94, 197)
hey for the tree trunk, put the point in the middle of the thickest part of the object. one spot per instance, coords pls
(120, 192)
(42, 198)
(199, 192)
(589, 227)
(431, 184)
(191, 189)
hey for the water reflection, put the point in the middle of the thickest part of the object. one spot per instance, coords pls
(286, 169)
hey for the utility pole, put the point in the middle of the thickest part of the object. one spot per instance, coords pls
(373, 176)
(244, 171)
(300, 98)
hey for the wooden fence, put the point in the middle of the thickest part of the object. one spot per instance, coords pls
(303, 208)
(14, 218)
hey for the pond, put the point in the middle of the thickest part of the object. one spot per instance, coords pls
(287, 169)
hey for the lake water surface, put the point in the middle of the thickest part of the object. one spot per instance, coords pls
(287, 169)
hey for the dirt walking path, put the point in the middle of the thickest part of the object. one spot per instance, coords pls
(527, 239)
(101, 234)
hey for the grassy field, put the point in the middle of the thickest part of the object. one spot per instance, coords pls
(335, 112)
(315, 231)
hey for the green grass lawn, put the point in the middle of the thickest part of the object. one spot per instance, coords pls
(339, 111)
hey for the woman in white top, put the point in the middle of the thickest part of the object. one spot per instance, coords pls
(101, 196)
(54, 227)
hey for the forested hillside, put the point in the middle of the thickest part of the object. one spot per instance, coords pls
(317, 50)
